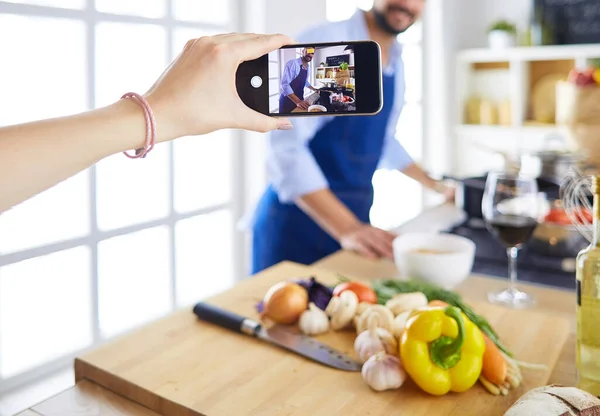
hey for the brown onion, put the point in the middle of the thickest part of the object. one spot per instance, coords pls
(284, 302)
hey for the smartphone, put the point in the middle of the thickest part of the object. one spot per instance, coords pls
(316, 79)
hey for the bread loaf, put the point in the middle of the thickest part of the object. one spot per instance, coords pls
(555, 400)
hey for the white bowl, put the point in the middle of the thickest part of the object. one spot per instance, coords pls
(439, 258)
(320, 107)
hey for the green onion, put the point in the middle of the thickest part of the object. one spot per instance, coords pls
(388, 288)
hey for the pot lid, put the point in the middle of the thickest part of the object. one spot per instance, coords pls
(558, 155)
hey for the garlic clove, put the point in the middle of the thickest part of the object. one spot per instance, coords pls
(383, 372)
(373, 341)
(313, 321)
(400, 323)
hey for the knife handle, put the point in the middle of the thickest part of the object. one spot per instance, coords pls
(226, 319)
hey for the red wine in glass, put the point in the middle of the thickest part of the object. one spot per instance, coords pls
(512, 230)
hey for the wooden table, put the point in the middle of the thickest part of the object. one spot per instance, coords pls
(87, 398)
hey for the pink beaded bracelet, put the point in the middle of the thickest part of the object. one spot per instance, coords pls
(150, 126)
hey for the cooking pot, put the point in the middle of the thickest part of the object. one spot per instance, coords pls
(551, 163)
(554, 164)
(469, 193)
(330, 84)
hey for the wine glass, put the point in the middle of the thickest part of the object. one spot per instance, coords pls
(510, 209)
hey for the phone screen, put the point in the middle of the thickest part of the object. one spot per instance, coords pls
(313, 79)
(322, 79)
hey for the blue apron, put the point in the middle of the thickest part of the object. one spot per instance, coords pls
(297, 85)
(348, 150)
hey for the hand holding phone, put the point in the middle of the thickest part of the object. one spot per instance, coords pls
(336, 78)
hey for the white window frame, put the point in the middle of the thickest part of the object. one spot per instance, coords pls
(91, 17)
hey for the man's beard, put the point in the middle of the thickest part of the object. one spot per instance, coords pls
(385, 26)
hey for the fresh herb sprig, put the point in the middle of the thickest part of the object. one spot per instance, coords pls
(388, 288)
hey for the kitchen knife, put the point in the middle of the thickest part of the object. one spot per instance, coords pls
(277, 335)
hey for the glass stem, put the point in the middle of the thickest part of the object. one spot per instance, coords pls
(512, 254)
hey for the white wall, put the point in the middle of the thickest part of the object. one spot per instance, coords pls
(285, 56)
(291, 17)
(475, 16)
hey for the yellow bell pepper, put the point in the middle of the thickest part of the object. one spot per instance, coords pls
(442, 350)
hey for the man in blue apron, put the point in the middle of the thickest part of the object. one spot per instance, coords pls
(293, 82)
(321, 192)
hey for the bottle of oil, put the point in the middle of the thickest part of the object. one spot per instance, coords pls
(588, 306)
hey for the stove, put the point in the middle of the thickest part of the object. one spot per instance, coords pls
(491, 259)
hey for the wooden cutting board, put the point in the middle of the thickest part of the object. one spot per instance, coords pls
(182, 366)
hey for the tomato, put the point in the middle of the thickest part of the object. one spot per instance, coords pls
(362, 291)
(560, 217)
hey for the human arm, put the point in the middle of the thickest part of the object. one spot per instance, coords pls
(338, 221)
(307, 85)
(396, 157)
(37, 155)
(417, 173)
(300, 103)
(290, 72)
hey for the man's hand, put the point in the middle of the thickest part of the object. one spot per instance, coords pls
(303, 104)
(446, 190)
(449, 193)
(369, 241)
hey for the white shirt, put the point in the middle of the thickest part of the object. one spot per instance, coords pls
(291, 167)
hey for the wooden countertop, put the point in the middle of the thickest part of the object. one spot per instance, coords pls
(87, 398)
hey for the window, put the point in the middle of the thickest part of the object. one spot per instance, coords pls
(126, 241)
(397, 197)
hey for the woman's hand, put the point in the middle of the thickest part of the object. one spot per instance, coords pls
(369, 241)
(197, 94)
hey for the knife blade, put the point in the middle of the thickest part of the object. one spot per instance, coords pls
(277, 335)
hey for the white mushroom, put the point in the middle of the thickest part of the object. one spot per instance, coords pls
(341, 309)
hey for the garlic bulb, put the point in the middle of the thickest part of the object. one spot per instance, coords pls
(313, 321)
(406, 301)
(384, 318)
(383, 372)
(341, 309)
(400, 324)
(373, 341)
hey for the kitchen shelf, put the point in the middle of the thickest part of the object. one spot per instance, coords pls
(533, 128)
(534, 53)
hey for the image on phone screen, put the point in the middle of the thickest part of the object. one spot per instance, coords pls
(322, 79)
(313, 79)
